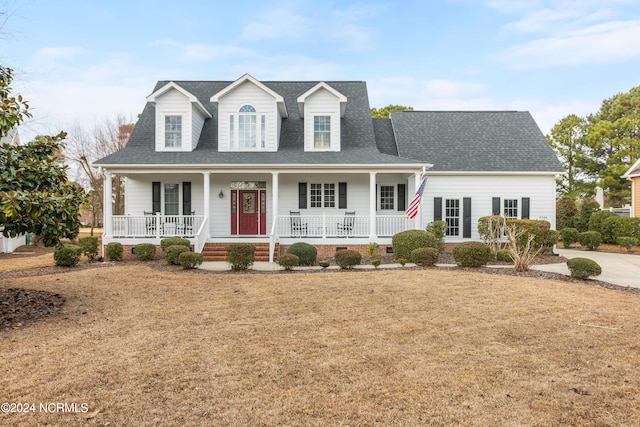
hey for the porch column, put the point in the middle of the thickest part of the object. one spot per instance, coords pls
(107, 211)
(416, 184)
(372, 206)
(207, 200)
(274, 196)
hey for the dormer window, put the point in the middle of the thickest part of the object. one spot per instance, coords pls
(250, 131)
(173, 131)
(321, 131)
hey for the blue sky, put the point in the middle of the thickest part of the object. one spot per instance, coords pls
(85, 61)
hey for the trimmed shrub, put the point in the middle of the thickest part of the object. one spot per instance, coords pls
(597, 218)
(627, 242)
(590, 239)
(402, 261)
(492, 230)
(305, 252)
(145, 251)
(425, 256)
(114, 251)
(504, 255)
(439, 230)
(406, 241)
(373, 246)
(324, 263)
(288, 261)
(538, 228)
(189, 259)
(586, 208)
(617, 226)
(472, 254)
(376, 262)
(240, 255)
(348, 258)
(172, 253)
(89, 246)
(582, 268)
(67, 255)
(174, 241)
(566, 212)
(570, 236)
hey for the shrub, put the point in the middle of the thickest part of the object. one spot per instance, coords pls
(288, 261)
(406, 241)
(492, 230)
(616, 226)
(439, 230)
(402, 261)
(376, 262)
(472, 254)
(324, 263)
(627, 242)
(586, 208)
(145, 251)
(66, 255)
(566, 212)
(89, 246)
(240, 255)
(172, 253)
(538, 228)
(504, 255)
(305, 252)
(590, 239)
(114, 251)
(174, 241)
(372, 248)
(597, 218)
(189, 259)
(582, 268)
(348, 258)
(570, 236)
(425, 256)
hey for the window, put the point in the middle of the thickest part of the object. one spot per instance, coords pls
(387, 197)
(171, 199)
(243, 128)
(510, 208)
(322, 131)
(173, 131)
(323, 195)
(452, 216)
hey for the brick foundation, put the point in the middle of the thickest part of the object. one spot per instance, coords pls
(328, 251)
(127, 252)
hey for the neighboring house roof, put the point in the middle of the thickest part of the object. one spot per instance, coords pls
(633, 171)
(451, 141)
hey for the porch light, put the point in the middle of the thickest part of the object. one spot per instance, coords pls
(221, 194)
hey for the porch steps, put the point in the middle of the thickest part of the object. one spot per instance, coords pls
(217, 252)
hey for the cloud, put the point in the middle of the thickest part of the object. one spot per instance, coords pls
(279, 24)
(48, 55)
(197, 52)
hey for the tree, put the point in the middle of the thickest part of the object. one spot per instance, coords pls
(566, 212)
(377, 113)
(35, 195)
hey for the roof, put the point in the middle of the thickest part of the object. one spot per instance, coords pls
(451, 141)
(633, 171)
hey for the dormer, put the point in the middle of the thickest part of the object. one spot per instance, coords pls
(249, 116)
(179, 118)
(322, 107)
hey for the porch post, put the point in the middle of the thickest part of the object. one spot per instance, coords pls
(207, 200)
(274, 195)
(372, 206)
(416, 184)
(107, 219)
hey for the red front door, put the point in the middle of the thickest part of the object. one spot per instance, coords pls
(248, 212)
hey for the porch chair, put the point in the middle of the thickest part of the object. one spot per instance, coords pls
(346, 228)
(298, 228)
(150, 223)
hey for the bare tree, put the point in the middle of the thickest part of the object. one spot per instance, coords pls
(84, 146)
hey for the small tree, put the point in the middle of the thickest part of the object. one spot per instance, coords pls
(523, 250)
(492, 229)
(566, 212)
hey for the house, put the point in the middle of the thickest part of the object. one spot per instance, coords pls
(10, 244)
(633, 175)
(278, 162)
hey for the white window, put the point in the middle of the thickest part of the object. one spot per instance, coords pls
(452, 216)
(322, 131)
(323, 195)
(173, 131)
(387, 200)
(510, 208)
(171, 199)
(247, 132)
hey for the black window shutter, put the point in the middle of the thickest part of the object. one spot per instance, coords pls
(466, 217)
(437, 208)
(495, 203)
(402, 197)
(525, 207)
(342, 195)
(302, 195)
(156, 197)
(186, 198)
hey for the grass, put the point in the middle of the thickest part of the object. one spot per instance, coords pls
(420, 347)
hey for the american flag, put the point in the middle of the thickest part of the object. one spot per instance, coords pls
(412, 211)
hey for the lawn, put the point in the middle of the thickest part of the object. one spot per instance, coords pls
(399, 347)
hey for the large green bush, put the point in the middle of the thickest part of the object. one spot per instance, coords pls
(582, 268)
(617, 226)
(114, 251)
(596, 220)
(173, 241)
(439, 231)
(425, 257)
(240, 255)
(586, 208)
(627, 242)
(67, 255)
(590, 239)
(288, 261)
(348, 258)
(172, 253)
(566, 212)
(570, 236)
(189, 259)
(145, 251)
(305, 252)
(472, 254)
(89, 246)
(406, 241)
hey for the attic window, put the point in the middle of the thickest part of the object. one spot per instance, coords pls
(173, 131)
(322, 131)
(247, 128)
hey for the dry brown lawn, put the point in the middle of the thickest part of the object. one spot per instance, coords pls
(421, 347)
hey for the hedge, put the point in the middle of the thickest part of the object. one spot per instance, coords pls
(67, 255)
(472, 254)
(240, 255)
(582, 268)
(406, 241)
(305, 252)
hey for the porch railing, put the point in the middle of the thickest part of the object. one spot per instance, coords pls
(326, 226)
(159, 226)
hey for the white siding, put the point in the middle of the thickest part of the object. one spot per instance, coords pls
(357, 193)
(139, 198)
(198, 124)
(173, 103)
(322, 103)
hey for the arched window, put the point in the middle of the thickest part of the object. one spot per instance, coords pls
(251, 128)
(247, 109)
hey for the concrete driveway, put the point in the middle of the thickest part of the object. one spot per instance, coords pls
(619, 269)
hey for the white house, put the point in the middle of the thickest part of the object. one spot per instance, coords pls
(10, 244)
(277, 162)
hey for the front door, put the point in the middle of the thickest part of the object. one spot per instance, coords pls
(248, 212)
